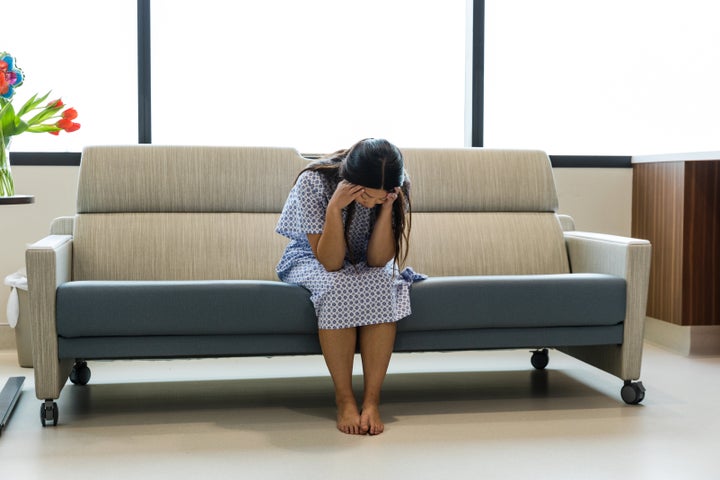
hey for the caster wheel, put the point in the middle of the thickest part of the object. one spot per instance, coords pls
(632, 393)
(48, 413)
(80, 374)
(540, 359)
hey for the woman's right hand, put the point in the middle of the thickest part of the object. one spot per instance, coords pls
(344, 195)
(329, 247)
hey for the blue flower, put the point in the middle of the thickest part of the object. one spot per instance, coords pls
(10, 76)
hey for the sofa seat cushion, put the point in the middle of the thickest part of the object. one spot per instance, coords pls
(141, 308)
(240, 307)
(517, 301)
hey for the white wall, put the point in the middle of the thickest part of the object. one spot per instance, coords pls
(54, 189)
(599, 200)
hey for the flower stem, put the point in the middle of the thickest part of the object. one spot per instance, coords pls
(7, 185)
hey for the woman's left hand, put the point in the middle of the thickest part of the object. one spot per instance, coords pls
(390, 198)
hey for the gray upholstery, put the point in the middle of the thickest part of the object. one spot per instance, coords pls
(240, 307)
(107, 309)
(172, 252)
(518, 301)
(497, 338)
(187, 346)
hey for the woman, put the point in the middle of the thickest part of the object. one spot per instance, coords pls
(348, 220)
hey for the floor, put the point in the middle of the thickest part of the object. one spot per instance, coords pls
(479, 415)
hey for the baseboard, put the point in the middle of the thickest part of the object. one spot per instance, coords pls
(705, 340)
(683, 339)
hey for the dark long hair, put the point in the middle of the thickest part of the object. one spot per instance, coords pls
(373, 163)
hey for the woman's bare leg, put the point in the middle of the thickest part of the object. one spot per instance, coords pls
(338, 347)
(376, 346)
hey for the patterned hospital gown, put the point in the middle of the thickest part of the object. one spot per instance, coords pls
(355, 295)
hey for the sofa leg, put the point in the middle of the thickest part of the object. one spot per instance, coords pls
(632, 393)
(80, 373)
(48, 412)
(540, 358)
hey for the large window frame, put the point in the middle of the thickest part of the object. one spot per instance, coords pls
(477, 92)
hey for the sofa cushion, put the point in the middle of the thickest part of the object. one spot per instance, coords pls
(178, 246)
(480, 180)
(102, 308)
(181, 179)
(449, 303)
(470, 244)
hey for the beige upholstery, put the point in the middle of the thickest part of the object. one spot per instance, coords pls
(483, 212)
(566, 222)
(178, 246)
(48, 265)
(231, 214)
(62, 226)
(178, 213)
(628, 258)
(447, 244)
(473, 180)
(144, 178)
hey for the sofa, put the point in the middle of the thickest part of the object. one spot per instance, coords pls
(172, 254)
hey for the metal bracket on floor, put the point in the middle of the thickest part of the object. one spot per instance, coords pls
(8, 398)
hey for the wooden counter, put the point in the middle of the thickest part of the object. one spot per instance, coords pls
(676, 206)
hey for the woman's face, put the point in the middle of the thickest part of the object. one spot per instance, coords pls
(371, 197)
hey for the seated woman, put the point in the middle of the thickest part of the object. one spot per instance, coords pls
(348, 220)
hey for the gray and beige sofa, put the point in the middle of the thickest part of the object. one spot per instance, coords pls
(172, 251)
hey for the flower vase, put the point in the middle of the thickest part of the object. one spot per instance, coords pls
(7, 186)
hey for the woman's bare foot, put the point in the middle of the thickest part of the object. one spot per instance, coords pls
(370, 421)
(348, 417)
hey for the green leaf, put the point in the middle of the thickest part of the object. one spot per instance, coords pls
(8, 120)
(44, 128)
(31, 104)
(45, 114)
(20, 126)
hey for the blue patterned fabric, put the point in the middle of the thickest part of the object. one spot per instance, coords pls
(355, 295)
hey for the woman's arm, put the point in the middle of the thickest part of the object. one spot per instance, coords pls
(329, 247)
(381, 248)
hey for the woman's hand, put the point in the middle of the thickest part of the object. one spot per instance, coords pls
(381, 248)
(344, 195)
(390, 199)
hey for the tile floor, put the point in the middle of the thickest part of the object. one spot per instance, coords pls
(479, 415)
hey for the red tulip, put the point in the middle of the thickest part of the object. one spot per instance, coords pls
(67, 125)
(70, 114)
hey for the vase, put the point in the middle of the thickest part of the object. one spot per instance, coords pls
(7, 186)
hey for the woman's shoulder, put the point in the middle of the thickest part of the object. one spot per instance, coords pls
(315, 180)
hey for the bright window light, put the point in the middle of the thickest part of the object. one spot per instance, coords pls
(316, 75)
(618, 77)
(85, 51)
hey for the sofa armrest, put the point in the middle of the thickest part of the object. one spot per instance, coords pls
(628, 258)
(62, 226)
(49, 264)
(566, 222)
(610, 254)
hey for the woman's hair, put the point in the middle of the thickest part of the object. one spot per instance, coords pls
(373, 163)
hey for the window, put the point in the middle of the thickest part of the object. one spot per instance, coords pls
(610, 77)
(316, 75)
(85, 51)
(603, 77)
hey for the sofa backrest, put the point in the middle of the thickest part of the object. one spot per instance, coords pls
(484, 212)
(151, 212)
(181, 213)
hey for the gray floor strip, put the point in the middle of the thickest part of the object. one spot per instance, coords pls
(8, 397)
